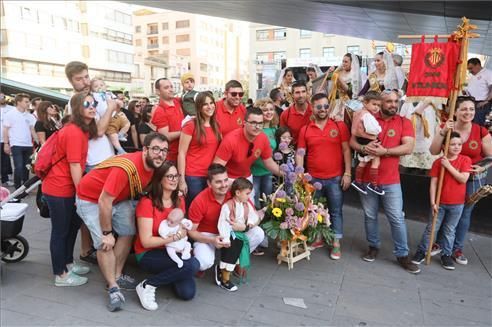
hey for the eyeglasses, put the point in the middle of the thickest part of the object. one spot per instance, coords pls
(157, 150)
(322, 106)
(88, 104)
(171, 177)
(256, 124)
(250, 150)
(235, 94)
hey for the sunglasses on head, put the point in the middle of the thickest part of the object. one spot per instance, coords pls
(250, 150)
(388, 91)
(465, 97)
(322, 106)
(235, 94)
(88, 104)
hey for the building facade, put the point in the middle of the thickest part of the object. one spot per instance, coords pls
(39, 37)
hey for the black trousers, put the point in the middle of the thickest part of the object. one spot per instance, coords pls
(231, 254)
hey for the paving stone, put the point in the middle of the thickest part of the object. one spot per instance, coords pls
(278, 318)
(314, 310)
(14, 318)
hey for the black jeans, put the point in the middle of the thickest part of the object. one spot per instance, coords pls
(6, 165)
(65, 224)
(21, 156)
(166, 272)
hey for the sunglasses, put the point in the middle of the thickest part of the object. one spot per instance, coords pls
(322, 106)
(235, 94)
(88, 104)
(388, 91)
(137, 106)
(465, 97)
(250, 150)
(157, 150)
(171, 177)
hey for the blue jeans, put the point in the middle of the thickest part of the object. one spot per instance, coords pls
(166, 272)
(65, 224)
(392, 202)
(196, 184)
(332, 191)
(262, 184)
(447, 219)
(473, 184)
(21, 156)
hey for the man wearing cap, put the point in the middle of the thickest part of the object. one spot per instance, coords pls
(189, 94)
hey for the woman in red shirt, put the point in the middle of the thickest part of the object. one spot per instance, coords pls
(200, 138)
(163, 196)
(477, 144)
(59, 189)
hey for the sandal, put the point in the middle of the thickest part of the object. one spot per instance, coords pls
(258, 252)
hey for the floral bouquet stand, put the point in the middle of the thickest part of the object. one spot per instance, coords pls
(294, 219)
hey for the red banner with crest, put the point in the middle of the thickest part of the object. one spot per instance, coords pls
(432, 70)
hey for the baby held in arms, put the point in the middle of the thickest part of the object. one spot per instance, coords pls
(171, 226)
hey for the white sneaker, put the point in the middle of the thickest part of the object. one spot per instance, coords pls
(78, 268)
(146, 294)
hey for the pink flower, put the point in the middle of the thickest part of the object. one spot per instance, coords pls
(284, 225)
(318, 186)
(278, 156)
(301, 152)
(289, 211)
(283, 146)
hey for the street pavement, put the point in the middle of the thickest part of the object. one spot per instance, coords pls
(347, 292)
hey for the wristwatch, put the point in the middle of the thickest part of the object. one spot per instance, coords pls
(105, 232)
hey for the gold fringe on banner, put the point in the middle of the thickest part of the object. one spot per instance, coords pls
(129, 167)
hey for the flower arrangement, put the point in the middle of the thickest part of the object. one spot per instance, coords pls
(293, 214)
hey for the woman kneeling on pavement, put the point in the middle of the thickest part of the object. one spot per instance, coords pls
(163, 197)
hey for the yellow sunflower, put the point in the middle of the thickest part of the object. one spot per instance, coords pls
(282, 200)
(320, 218)
(277, 212)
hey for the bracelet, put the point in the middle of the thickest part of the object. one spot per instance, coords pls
(347, 174)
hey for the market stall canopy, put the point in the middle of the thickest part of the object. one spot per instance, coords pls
(10, 87)
(375, 20)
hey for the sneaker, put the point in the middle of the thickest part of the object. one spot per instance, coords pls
(408, 265)
(122, 138)
(70, 279)
(317, 245)
(436, 249)
(447, 262)
(359, 187)
(9, 183)
(335, 252)
(258, 252)
(78, 268)
(146, 294)
(371, 254)
(418, 257)
(376, 189)
(229, 286)
(116, 299)
(459, 257)
(91, 257)
(239, 272)
(218, 275)
(126, 282)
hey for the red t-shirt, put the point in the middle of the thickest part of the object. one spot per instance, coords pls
(145, 209)
(473, 146)
(234, 150)
(199, 157)
(72, 144)
(324, 148)
(172, 116)
(393, 130)
(229, 121)
(295, 120)
(205, 211)
(113, 180)
(453, 192)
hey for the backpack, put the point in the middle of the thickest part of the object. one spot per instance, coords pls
(43, 159)
(188, 100)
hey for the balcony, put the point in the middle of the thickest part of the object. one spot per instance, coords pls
(152, 46)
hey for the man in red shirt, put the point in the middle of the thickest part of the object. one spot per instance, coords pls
(105, 205)
(204, 212)
(396, 139)
(319, 138)
(230, 110)
(168, 116)
(299, 113)
(241, 147)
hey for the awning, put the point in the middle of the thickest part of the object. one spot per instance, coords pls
(10, 87)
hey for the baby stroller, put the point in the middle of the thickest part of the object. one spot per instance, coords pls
(15, 247)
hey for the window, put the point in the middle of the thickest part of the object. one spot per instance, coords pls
(165, 26)
(262, 56)
(165, 40)
(152, 28)
(30, 67)
(182, 23)
(280, 34)
(328, 52)
(203, 80)
(203, 67)
(29, 14)
(353, 49)
(279, 55)
(305, 53)
(152, 43)
(380, 48)
(138, 29)
(3, 37)
(119, 57)
(304, 34)
(85, 51)
(183, 52)
(138, 42)
(182, 38)
(262, 35)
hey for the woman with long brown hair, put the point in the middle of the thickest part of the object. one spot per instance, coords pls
(200, 138)
(145, 126)
(48, 121)
(59, 189)
(163, 196)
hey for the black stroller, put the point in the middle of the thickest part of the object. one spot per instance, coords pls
(15, 247)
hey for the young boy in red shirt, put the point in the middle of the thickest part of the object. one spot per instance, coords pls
(452, 201)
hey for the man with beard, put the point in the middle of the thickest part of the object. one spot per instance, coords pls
(396, 139)
(326, 145)
(230, 110)
(106, 203)
(299, 113)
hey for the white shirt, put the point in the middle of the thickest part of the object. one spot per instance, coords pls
(100, 149)
(224, 224)
(479, 84)
(371, 125)
(422, 143)
(3, 111)
(20, 124)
